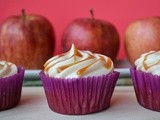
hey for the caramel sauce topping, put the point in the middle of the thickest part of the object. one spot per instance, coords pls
(108, 65)
(47, 63)
(144, 64)
(84, 69)
(61, 68)
(76, 53)
(146, 67)
(7, 69)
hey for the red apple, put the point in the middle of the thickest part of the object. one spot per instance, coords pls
(91, 34)
(142, 36)
(26, 40)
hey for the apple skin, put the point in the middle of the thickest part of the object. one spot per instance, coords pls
(91, 34)
(142, 35)
(26, 40)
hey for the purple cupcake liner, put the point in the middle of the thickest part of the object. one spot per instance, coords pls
(10, 90)
(79, 95)
(147, 89)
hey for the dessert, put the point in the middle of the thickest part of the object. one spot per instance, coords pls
(146, 80)
(11, 79)
(79, 82)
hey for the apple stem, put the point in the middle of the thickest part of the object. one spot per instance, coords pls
(92, 13)
(23, 14)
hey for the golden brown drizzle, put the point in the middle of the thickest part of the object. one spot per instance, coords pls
(8, 70)
(61, 68)
(108, 63)
(48, 62)
(46, 67)
(84, 69)
(76, 52)
(146, 67)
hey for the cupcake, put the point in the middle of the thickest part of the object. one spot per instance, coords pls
(146, 80)
(79, 82)
(11, 79)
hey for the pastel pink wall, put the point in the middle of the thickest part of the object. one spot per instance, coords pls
(62, 12)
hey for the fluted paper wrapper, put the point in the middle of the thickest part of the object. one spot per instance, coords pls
(10, 90)
(147, 89)
(79, 95)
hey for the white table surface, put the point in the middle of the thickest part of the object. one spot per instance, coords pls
(124, 106)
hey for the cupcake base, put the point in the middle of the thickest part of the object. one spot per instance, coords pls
(147, 89)
(79, 95)
(10, 90)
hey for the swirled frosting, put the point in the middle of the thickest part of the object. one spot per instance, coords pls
(77, 63)
(7, 69)
(149, 62)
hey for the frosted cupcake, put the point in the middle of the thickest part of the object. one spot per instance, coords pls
(79, 82)
(11, 79)
(146, 80)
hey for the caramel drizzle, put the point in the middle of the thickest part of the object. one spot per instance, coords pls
(84, 69)
(61, 68)
(46, 65)
(107, 64)
(75, 54)
(146, 67)
(48, 62)
(7, 70)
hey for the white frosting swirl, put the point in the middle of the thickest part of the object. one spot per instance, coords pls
(149, 62)
(77, 63)
(7, 69)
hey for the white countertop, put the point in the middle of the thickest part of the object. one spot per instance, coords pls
(124, 106)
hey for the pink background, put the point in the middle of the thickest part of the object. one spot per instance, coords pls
(62, 12)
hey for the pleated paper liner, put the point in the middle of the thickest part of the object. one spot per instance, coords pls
(147, 89)
(10, 90)
(79, 95)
